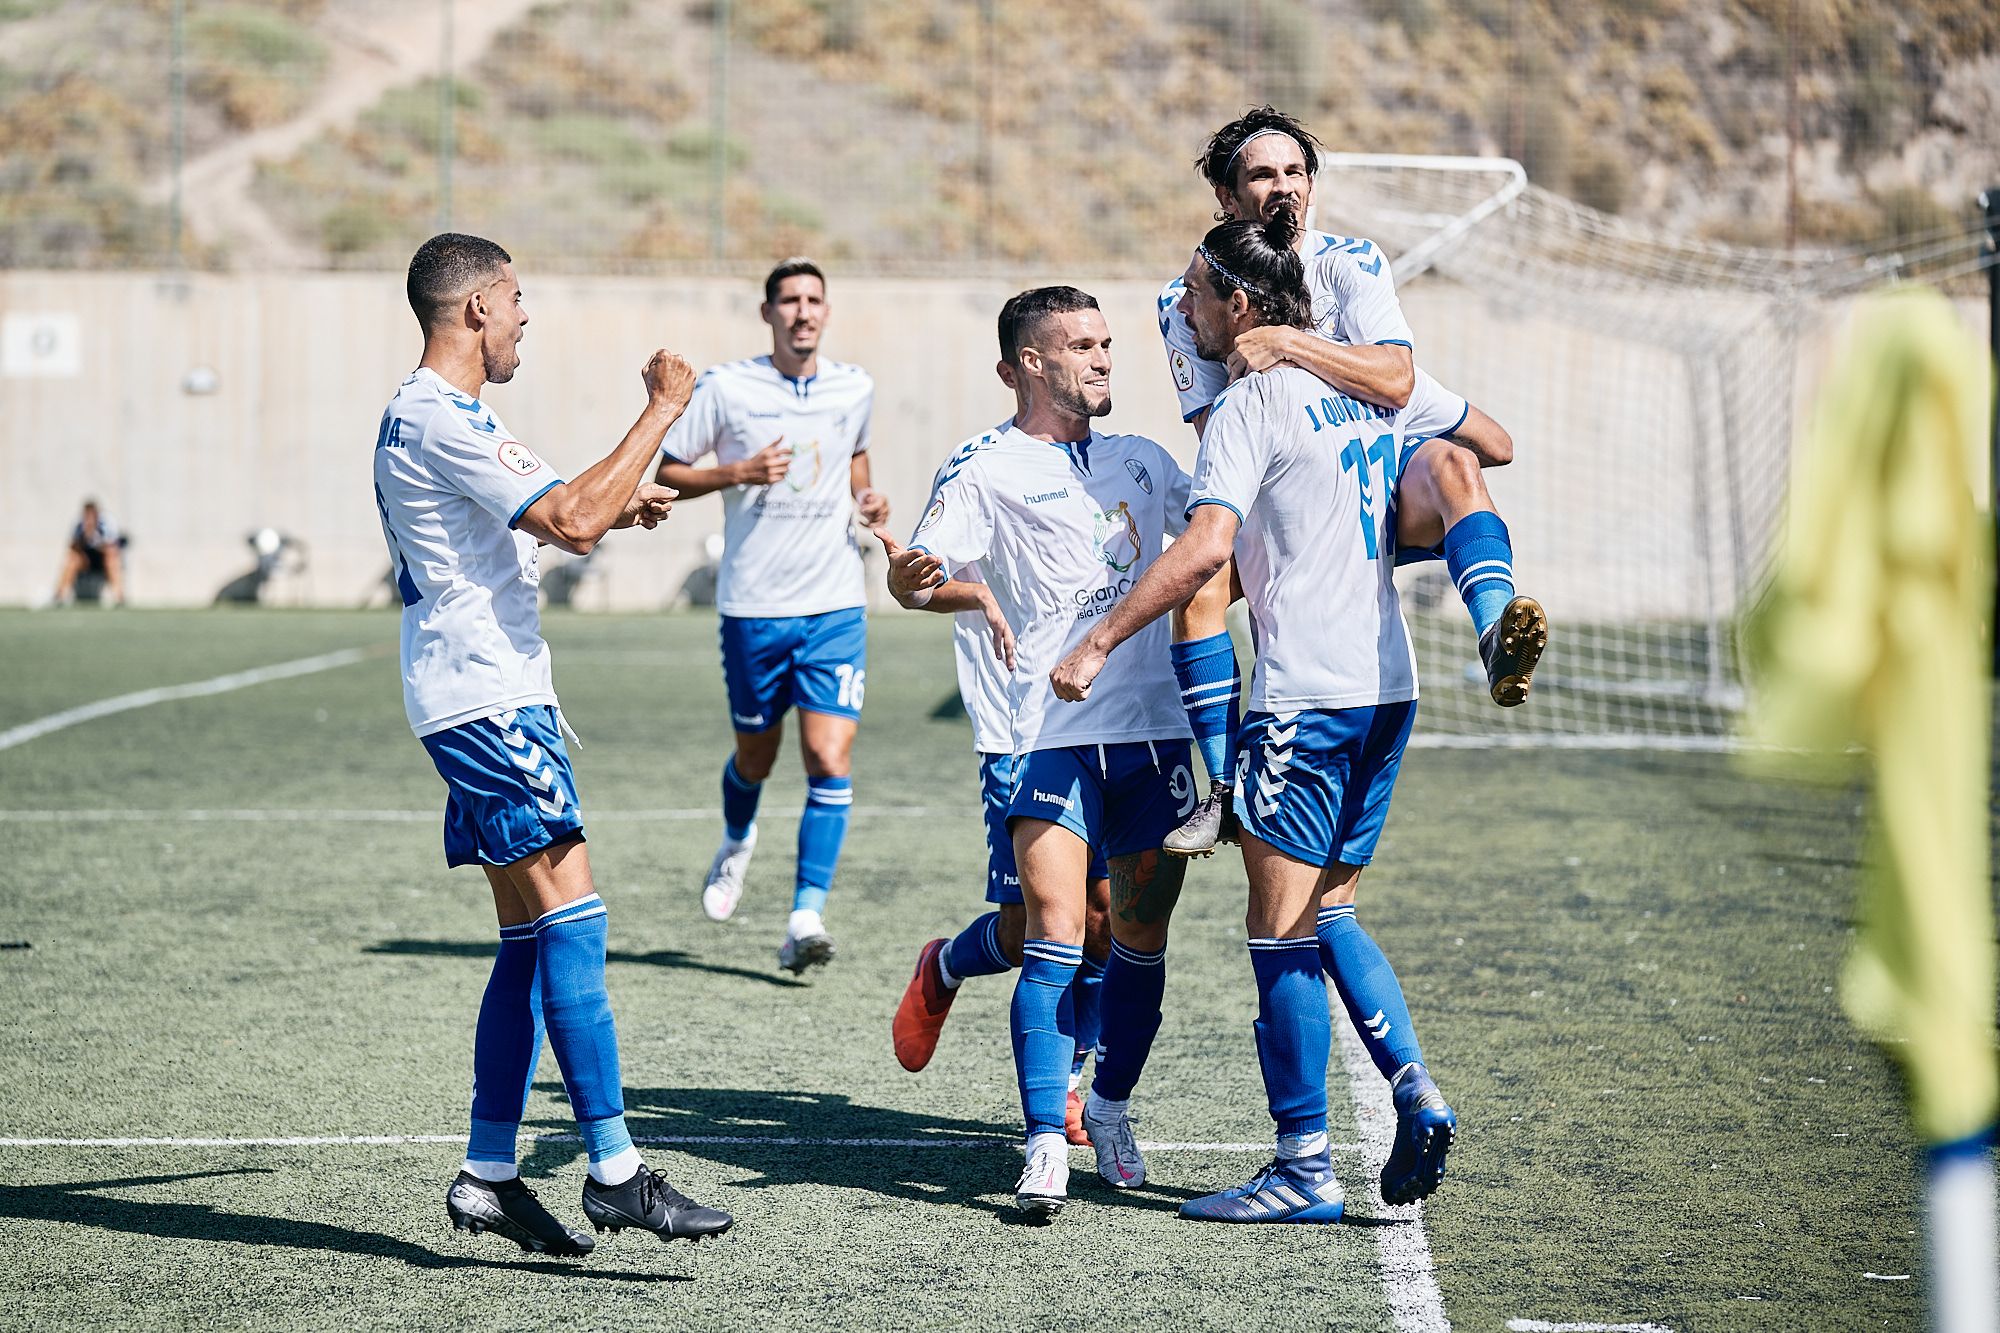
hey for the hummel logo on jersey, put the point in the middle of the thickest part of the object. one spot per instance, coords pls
(761, 416)
(1050, 798)
(1046, 496)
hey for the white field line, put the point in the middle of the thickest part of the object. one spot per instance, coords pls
(429, 816)
(1544, 1326)
(666, 1140)
(123, 703)
(1415, 1303)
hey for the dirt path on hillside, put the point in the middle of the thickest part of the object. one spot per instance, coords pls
(375, 47)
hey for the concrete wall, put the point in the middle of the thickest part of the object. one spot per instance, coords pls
(1623, 503)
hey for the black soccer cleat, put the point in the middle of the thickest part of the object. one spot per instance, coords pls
(509, 1208)
(651, 1204)
(1510, 649)
(1213, 821)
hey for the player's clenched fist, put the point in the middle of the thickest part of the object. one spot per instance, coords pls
(669, 379)
(765, 467)
(649, 505)
(1072, 676)
(872, 506)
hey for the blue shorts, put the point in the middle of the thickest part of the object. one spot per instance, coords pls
(1316, 784)
(511, 789)
(996, 793)
(819, 663)
(1120, 799)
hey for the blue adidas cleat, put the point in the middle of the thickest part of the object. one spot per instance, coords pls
(1425, 1128)
(1302, 1189)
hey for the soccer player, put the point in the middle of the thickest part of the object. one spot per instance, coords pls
(1295, 479)
(463, 506)
(1059, 520)
(789, 432)
(1259, 165)
(992, 943)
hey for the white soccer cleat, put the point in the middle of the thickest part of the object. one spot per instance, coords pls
(725, 876)
(1110, 1131)
(1044, 1185)
(806, 943)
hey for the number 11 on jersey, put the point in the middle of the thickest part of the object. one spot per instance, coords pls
(1355, 458)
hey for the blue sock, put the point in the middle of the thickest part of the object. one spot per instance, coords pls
(1294, 1034)
(1043, 1022)
(1087, 994)
(506, 1047)
(1481, 560)
(739, 802)
(1129, 1006)
(975, 951)
(1369, 989)
(1210, 684)
(822, 830)
(577, 1009)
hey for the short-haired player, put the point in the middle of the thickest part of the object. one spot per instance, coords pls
(789, 434)
(463, 506)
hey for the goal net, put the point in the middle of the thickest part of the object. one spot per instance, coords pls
(1651, 384)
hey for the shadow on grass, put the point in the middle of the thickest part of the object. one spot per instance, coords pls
(800, 1138)
(74, 1203)
(483, 951)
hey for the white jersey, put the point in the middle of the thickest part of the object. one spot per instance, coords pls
(1061, 532)
(1312, 475)
(788, 548)
(1353, 301)
(451, 484)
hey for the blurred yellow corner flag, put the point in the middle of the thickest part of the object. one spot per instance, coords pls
(1871, 636)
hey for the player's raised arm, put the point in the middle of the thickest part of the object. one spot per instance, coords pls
(612, 492)
(1383, 374)
(1486, 438)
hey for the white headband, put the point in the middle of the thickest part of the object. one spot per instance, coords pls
(1229, 167)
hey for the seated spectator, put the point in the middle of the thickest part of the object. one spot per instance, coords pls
(96, 549)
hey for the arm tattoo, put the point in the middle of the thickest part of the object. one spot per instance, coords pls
(1145, 886)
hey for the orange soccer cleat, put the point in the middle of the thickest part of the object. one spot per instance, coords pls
(1073, 1129)
(920, 1016)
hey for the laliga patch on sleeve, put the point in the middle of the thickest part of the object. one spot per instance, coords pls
(932, 515)
(1183, 372)
(519, 458)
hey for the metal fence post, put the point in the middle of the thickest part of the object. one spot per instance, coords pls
(447, 122)
(1989, 210)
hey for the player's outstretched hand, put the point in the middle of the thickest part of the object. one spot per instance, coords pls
(648, 507)
(767, 466)
(669, 379)
(872, 505)
(911, 568)
(1073, 674)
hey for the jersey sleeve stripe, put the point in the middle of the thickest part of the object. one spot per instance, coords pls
(1452, 429)
(529, 503)
(1394, 342)
(1213, 500)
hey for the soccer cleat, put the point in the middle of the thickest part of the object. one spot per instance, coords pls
(1043, 1188)
(806, 943)
(1073, 1121)
(1425, 1128)
(724, 887)
(1212, 822)
(1510, 648)
(1110, 1133)
(1302, 1189)
(921, 1013)
(509, 1208)
(649, 1203)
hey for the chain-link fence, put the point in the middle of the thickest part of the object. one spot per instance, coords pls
(894, 136)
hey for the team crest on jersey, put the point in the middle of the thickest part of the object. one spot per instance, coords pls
(1118, 537)
(804, 472)
(519, 458)
(932, 515)
(1183, 371)
(1140, 475)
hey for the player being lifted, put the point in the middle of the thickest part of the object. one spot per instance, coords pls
(463, 505)
(1295, 479)
(789, 432)
(983, 649)
(1260, 165)
(1058, 520)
